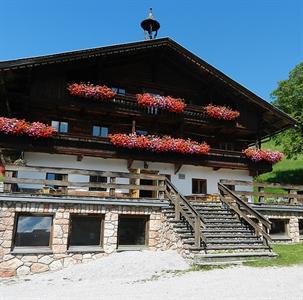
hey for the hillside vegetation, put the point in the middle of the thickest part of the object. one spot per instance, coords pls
(288, 171)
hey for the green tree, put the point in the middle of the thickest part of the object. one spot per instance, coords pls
(289, 98)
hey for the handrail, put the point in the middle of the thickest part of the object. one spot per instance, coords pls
(197, 222)
(243, 207)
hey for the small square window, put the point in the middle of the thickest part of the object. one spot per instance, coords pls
(118, 90)
(33, 231)
(97, 179)
(100, 131)
(141, 132)
(181, 176)
(85, 230)
(59, 126)
(199, 186)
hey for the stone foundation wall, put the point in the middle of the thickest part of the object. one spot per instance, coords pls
(13, 263)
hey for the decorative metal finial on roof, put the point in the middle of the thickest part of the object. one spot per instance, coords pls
(150, 26)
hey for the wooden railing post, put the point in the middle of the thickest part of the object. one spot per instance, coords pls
(161, 194)
(261, 198)
(112, 191)
(7, 188)
(64, 189)
(291, 199)
(197, 231)
(177, 211)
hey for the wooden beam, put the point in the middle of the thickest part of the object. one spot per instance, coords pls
(129, 163)
(178, 166)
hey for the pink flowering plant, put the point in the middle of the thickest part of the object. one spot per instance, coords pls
(258, 155)
(88, 90)
(158, 144)
(169, 103)
(21, 127)
(221, 112)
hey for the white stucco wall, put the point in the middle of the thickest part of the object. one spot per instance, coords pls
(120, 165)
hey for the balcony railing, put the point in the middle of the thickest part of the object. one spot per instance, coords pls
(267, 193)
(76, 182)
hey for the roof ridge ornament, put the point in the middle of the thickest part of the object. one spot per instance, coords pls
(150, 26)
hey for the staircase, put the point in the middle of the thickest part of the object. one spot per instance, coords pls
(225, 233)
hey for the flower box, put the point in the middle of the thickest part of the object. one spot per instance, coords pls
(158, 144)
(21, 127)
(258, 155)
(169, 103)
(221, 112)
(87, 90)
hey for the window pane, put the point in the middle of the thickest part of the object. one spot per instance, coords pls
(64, 127)
(55, 125)
(199, 186)
(121, 91)
(132, 231)
(85, 231)
(97, 179)
(104, 132)
(33, 231)
(96, 130)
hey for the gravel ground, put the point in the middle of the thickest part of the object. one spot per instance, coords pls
(153, 275)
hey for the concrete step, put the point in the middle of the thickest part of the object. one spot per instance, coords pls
(230, 247)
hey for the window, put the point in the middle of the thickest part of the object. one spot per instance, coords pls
(141, 132)
(33, 231)
(132, 230)
(85, 230)
(118, 90)
(227, 146)
(54, 176)
(279, 227)
(199, 186)
(100, 131)
(301, 227)
(61, 127)
(96, 179)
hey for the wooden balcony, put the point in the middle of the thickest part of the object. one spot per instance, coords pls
(76, 182)
(101, 147)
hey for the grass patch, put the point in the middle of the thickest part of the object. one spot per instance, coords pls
(288, 255)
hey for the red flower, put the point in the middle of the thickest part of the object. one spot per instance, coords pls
(157, 144)
(88, 90)
(221, 112)
(169, 103)
(257, 155)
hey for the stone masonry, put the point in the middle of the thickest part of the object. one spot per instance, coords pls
(13, 263)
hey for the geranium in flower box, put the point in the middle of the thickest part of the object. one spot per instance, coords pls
(258, 155)
(221, 112)
(21, 127)
(169, 103)
(88, 90)
(158, 144)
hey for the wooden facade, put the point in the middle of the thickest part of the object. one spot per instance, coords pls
(36, 89)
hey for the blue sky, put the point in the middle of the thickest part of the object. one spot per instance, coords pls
(254, 42)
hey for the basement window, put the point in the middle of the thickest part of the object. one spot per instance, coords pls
(59, 126)
(279, 228)
(85, 230)
(33, 231)
(100, 131)
(199, 186)
(97, 179)
(132, 231)
(301, 228)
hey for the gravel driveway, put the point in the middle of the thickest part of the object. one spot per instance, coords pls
(153, 275)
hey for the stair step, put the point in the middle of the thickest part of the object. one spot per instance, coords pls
(226, 230)
(227, 258)
(233, 241)
(229, 247)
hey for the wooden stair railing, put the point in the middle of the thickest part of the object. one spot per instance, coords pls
(245, 212)
(183, 209)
